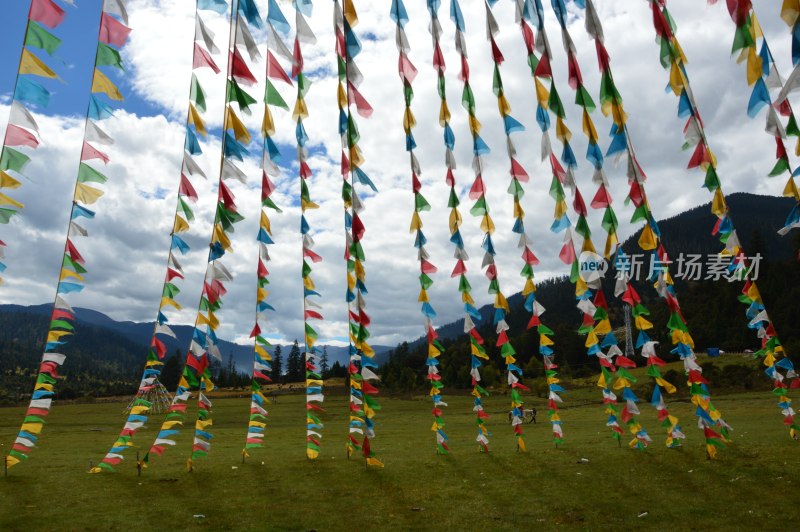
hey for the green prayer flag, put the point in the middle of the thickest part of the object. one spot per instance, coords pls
(38, 37)
(87, 174)
(197, 94)
(107, 56)
(12, 159)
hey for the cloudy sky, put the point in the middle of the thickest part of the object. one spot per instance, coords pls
(126, 251)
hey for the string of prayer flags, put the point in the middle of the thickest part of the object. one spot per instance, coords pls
(313, 362)
(762, 75)
(748, 32)
(363, 349)
(480, 209)
(471, 314)
(408, 73)
(22, 130)
(73, 266)
(363, 384)
(603, 200)
(739, 266)
(790, 14)
(204, 343)
(518, 176)
(271, 157)
(203, 42)
(356, 408)
(613, 359)
(611, 104)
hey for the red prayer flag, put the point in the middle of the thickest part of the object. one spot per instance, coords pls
(46, 12)
(17, 136)
(186, 189)
(203, 59)
(114, 32)
(240, 70)
(89, 152)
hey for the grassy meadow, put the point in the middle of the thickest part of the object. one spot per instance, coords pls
(588, 483)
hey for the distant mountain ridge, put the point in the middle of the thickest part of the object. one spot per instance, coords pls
(139, 333)
(688, 232)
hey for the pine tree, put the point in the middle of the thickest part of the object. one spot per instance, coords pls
(294, 364)
(277, 366)
(323, 362)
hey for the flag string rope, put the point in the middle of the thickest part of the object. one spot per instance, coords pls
(602, 200)
(408, 72)
(112, 34)
(480, 209)
(709, 418)
(141, 407)
(196, 372)
(763, 75)
(356, 411)
(270, 158)
(673, 58)
(22, 129)
(518, 176)
(471, 314)
(365, 354)
(315, 394)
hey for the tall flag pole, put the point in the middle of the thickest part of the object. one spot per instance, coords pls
(22, 130)
(356, 410)
(362, 382)
(763, 75)
(313, 372)
(518, 176)
(203, 47)
(408, 72)
(196, 372)
(112, 36)
(471, 314)
(709, 418)
(270, 158)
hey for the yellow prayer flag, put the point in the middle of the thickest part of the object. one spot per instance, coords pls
(474, 125)
(168, 301)
(239, 129)
(647, 240)
(487, 225)
(416, 223)
(267, 124)
(180, 225)
(588, 127)
(86, 194)
(30, 64)
(562, 131)
(69, 273)
(423, 296)
(5, 200)
(754, 66)
(409, 121)
(503, 105)
(101, 83)
(6, 181)
(265, 223)
(444, 113)
(455, 220)
(542, 95)
(300, 110)
(196, 120)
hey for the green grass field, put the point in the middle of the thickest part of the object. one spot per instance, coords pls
(751, 486)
